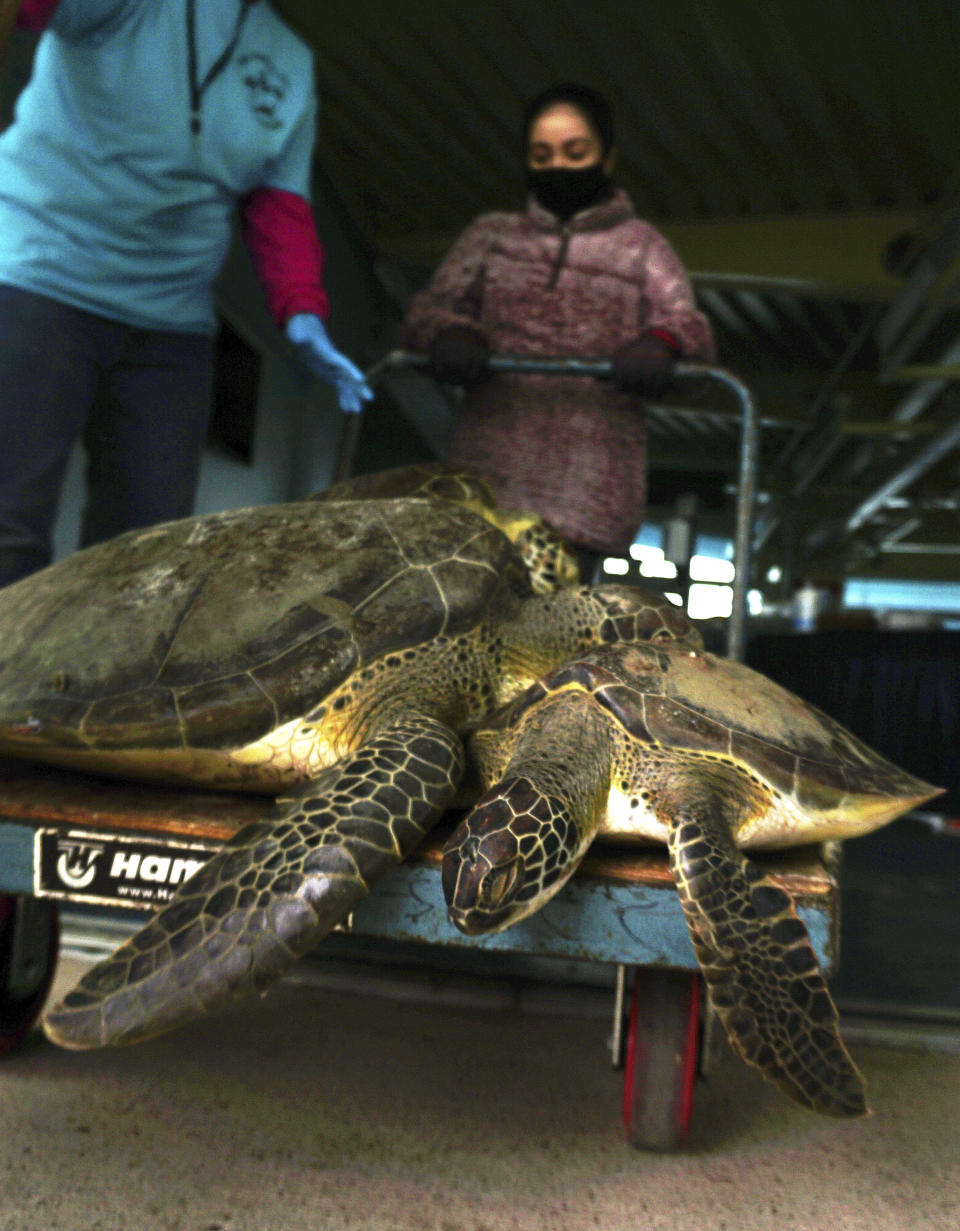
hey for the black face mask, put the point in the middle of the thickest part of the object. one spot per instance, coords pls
(565, 191)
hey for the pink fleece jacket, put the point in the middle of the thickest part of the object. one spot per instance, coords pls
(572, 449)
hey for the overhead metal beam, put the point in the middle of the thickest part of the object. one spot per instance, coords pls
(921, 549)
(908, 409)
(830, 437)
(838, 255)
(931, 288)
(918, 465)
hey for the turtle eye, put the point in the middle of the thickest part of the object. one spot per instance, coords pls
(499, 885)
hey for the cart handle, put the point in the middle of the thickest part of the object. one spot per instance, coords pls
(397, 360)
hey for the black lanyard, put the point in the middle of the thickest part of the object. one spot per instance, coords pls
(199, 88)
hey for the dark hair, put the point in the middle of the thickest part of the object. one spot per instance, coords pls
(588, 101)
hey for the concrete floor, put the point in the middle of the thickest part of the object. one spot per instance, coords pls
(332, 1110)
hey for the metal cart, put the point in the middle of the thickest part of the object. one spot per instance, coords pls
(112, 847)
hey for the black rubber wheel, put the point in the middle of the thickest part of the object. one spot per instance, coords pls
(660, 1070)
(29, 941)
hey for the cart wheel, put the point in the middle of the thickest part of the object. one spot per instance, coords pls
(661, 1061)
(29, 939)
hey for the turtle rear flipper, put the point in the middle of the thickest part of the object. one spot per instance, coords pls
(272, 892)
(756, 956)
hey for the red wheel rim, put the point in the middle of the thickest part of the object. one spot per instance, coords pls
(680, 1069)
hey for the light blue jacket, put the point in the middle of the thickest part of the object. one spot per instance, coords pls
(116, 195)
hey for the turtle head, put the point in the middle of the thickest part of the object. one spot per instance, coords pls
(514, 850)
(550, 561)
(546, 760)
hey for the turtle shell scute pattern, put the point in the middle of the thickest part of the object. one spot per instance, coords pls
(692, 701)
(422, 480)
(208, 632)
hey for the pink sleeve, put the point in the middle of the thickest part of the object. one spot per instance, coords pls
(674, 315)
(35, 14)
(281, 237)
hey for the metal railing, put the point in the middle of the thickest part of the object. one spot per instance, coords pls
(602, 369)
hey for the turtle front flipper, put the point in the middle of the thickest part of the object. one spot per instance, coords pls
(272, 892)
(754, 951)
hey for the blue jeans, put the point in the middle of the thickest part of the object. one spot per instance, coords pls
(139, 399)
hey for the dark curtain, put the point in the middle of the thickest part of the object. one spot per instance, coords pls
(898, 691)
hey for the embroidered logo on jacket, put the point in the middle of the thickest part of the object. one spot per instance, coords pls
(266, 87)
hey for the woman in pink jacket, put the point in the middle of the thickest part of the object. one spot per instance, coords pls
(575, 274)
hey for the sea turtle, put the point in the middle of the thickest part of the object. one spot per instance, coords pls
(333, 653)
(550, 561)
(680, 746)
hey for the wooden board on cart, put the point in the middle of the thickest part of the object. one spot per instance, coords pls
(620, 906)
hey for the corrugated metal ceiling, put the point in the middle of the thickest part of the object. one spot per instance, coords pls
(745, 107)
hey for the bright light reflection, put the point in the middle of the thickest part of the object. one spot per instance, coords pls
(710, 568)
(616, 566)
(652, 562)
(707, 602)
(755, 602)
(666, 570)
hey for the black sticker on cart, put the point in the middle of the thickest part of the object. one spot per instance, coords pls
(112, 870)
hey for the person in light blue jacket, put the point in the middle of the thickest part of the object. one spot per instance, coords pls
(145, 126)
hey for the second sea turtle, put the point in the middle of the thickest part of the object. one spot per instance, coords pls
(549, 559)
(675, 745)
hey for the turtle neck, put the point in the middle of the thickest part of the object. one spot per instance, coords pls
(609, 212)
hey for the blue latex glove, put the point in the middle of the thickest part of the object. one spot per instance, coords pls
(312, 342)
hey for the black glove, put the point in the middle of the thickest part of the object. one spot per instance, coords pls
(644, 366)
(459, 354)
